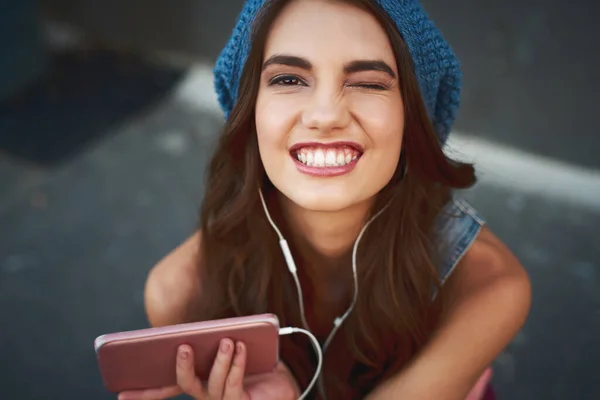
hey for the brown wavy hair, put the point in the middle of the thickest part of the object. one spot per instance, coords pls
(243, 271)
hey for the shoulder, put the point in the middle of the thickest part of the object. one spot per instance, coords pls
(489, 273)
(474, 262)
(173, 284)
(489, 260)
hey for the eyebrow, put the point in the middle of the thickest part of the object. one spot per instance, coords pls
(290, 61)
(349, 68)
(369, 65)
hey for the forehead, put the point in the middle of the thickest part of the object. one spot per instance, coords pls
(328, 30)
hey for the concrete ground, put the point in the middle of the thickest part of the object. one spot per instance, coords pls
(530, 66)
(82, 220)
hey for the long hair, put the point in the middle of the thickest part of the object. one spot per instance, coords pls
(243, 271)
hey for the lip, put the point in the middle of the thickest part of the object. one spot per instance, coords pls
(354, 145)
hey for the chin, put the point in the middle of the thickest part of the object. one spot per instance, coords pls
(322, 202)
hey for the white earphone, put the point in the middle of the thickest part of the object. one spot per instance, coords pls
(293, 270)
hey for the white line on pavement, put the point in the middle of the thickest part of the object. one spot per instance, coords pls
(512, 168)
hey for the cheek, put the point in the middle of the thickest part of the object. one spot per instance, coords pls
(273, 120)
(268, 125)
(382, 119)
(387, 154)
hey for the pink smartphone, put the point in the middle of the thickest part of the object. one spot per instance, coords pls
(145, 358)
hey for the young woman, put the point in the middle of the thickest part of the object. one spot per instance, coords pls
(337, 112)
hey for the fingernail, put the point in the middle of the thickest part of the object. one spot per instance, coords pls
(225, 346)
(239, 348)
(184, 354)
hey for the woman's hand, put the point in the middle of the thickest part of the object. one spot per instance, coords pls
(226, 380)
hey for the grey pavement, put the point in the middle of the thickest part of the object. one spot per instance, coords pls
(530, 66)
(554, 356)
(529, 72)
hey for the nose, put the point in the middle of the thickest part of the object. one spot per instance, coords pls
(326, 111)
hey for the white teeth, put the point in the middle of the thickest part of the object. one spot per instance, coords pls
(319, 158)
(326, 157)
(330, 158)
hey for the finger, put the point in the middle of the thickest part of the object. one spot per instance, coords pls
(186, 373)
(151, 394)
(234, 385)
(220, 369)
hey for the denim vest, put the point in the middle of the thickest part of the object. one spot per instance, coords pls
(456, 228)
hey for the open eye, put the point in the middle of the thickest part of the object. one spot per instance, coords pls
(286, 80)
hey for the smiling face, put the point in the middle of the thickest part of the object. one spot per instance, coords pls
(329, 113)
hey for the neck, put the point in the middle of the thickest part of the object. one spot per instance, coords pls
(325, 239)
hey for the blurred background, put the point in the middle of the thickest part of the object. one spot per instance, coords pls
(108, 117)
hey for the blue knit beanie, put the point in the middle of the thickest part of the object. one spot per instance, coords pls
(435, 64)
